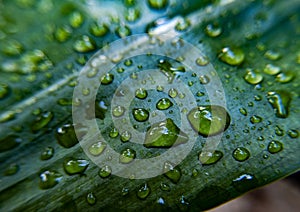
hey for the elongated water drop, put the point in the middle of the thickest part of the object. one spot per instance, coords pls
(41, 121)
(48, 179)
(66, 136)
(280, 101)
(172, 172)
(75, 166)
(232, 57)
(9, 142)
(97, 148)
(210, 157)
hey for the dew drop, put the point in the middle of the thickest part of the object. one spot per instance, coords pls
(243, 111)
(232, 57)
(107, 79)
(118, 111)
(158, 4)
(171, 172)
(47, 153)
(132, 14)
(123, 31)
(173, 93)
(75, 166)
(255, 119)
(165, 187)
(114, 133)
(91, 199)
(49, 179)
(293, 133)
(97, 148)
(213, 30)
(143, 191)
(140, 114)
(164, 104)
(105, 171)
(41, 121)
(63, 33)
(209, 120)
(285, 77)
(99, 30)
(275, 147)
(125, 136)
(127, 156)
(241, 154)
(76, 19)
(204, 79)
(272, 55)
(84, 44)
(141, 93)
(253, 77)
(271, 69)
(210, 157)
(125, 191)
(280, 101)
(66, 136)
(202, 60)
(182, 25)
(164, 134)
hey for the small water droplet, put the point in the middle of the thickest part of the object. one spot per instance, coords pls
(118, 111)
(75, 166)
(255, 119)
(253, 77)
(158, 4)
(210, 157)
(280, 101)
(164, 134)
(275, 147)
(127, 156)
(171, 172)
(141, 93)
(123, 31)
(140, 114)
(41, 121)
(272, 69)
(11, 169)
(114, 133)
(285, 77)
(125, 191)
(47, 153)
(173, 92)
(63, 33)
(243, 111)
(84, 44)
(213, 30)
(202, 60)
(105, 171)
(272, 55)
(144, 191)
(99, 30)
(97, 148)
(232, 56)
(91, 199)
(164, 104)
(241, 154)
(204, 79)
(293, 133)
(107, 79)
(209, 120)
(49, 179)
(125, 136)
(76, 19)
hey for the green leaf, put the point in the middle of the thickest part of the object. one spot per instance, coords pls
(252, 45)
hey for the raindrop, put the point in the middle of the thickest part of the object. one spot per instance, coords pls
(47, 153)
(41, 121)
(63, 33)
(105, 171)
(158, 4)
(49, 179)
(210, 157)
(241, 154)
(9, 142)
(11, 169)
(255, 119)
(280, 101)
(173, 93)
(84, 44)
(213, 30)
(140, 114)
(125, 136)
(253, 77)
(97, 148)
(127, 156)
(275, 147)
(107, 79)
(118, 111)
(141, 93)
(123, 31)
(144, 191)
(75, 166)
(91, 199)
(272, 69)
(164, 104)
(171, 172)
(232, 56)
(99, 30)
(66, 136)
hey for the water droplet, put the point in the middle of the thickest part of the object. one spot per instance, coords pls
(141, 93)
(255, 119)
(12, 48)
(285, 77)
(118, 111)
(122, 31)
(272, 55)
(128, 62)
(213, 30)
(132, 14)
(97, 148)
(63, 33)
(164, 134)
(9, 142)
(275, 146)
(210, 157)
(11, 169)
(140, 114)
(91, 199)
(129, 3)
(47, 153)
(49, 179)
(173, 93)
(75, 166)
(202, 60)
(272, 69)
(244, 182)
(232, 56)
(84, 44)
(125, 191)
(127, 156)
(241, 154)
(143, 191)
(164, 104)
(165, 187)
(253, 77)
(41, 121)
(204, 79)
(114, 133)
(66, 136)
(158, 4)
(243, 111)
(99, 30)
(171, 172)
(125, 136)
(199, 94)
(183, 25)
(280, 101)
(105, 171)
(107, 79)
(209, 120)
(76, 19)
(293, 133)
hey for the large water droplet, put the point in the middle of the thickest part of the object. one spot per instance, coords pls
(140, 114)
(75, 166)
(9, 142)
(210, 157)
(172, 172)
(253, 77)
(127, 156)
(97, 148)
(48, 179)
(285, 77)
(280, 101)
(41, 121)
(241, 154)
(47, 153)
(164, 134)
(232, 56)
(275, 147)
(164, 104)
(84, 44)
(209, 120)
(143, 191)
(66, 136)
